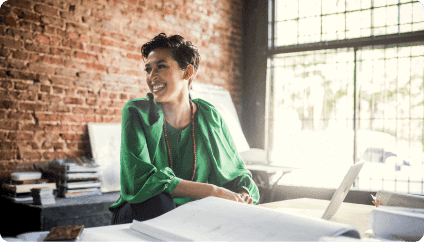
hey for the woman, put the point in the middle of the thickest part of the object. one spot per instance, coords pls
(173, 149)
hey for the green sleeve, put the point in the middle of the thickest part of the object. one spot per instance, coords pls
(229, 169)
(140, 179)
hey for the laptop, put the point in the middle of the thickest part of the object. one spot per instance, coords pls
(336, 200)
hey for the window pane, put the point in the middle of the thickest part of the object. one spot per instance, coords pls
(287, 10)
(353, 5)
(405, 13)
(287, 33)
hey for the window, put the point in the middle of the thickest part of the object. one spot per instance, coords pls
(345, 85)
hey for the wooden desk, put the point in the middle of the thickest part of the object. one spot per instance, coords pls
(353, 214)
(356, 215)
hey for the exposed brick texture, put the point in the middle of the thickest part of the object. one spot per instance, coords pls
(65, 63)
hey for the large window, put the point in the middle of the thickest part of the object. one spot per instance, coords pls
(345, 85)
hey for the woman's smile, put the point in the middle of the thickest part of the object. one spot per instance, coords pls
(158, 87)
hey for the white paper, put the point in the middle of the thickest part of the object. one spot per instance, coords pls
(220, 219)
(397, 223)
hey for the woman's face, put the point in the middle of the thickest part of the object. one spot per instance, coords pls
(164, 76)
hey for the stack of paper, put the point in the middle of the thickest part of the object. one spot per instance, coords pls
(213, 218)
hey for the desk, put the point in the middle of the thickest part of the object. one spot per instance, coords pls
(356, 215)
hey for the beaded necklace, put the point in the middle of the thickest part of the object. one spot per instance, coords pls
(192, 136)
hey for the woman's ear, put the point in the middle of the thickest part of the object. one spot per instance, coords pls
(188, 72)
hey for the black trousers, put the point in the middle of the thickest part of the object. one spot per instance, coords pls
(148, 209)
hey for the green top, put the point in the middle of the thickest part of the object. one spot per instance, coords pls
(144, 159)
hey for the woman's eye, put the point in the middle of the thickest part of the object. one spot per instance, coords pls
(148, 70)
(161, 66)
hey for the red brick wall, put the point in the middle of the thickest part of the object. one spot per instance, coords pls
(64, 63)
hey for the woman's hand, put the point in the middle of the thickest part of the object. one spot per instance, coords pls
(227, 194)
(246, 197)
(378, 202)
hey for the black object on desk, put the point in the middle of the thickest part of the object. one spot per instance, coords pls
(91, 211)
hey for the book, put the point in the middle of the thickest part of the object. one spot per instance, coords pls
(20, 176)
(215, 218)
(82, 192)
(83, 184)
(68, 233)
(397, 223)
(26, 188)
(397, 199)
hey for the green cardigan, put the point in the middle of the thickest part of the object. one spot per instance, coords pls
(144, 160)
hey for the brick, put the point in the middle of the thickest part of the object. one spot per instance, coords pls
(25, 25)
(54, 41)
(21, 136)
(41, 68)
(46, 145)
(84, 38)
(80, 110)
(59, 108)
(42, 39)
(37, 48)
(7, 155)
(73, 44)
(71, 119)
(47, 117)
(21, 3)
(73, 100)
(68, 15)
(61, 80)
(52, 21)
(91, 102)
(6, 145)
(57, 128)
(106, 42)
(3, 114)
(73, 35)
(50, 30)
(30, 155)
(8, 21)
(77, 28)
(46, 10)
(15, 64)
(11, 43)
(72, 137)
(50, 98)
(45, 88)
(21, 85)
(134, 56)
(19, 34)
(57, 90)
(96, 67)
(58, 146)
(85, 56)
(4, 10)
(8, 104)
(32, 106)
(60, 51)
(9, 125)
(20, 115)
(3, 135)
(22, 14)
(65, 71)
(20, 55)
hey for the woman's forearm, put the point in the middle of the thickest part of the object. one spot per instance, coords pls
(193, 189)
(201, 190)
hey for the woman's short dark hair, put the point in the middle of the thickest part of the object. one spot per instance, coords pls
(183, 52)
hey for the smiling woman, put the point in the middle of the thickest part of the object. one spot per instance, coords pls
(174, 149)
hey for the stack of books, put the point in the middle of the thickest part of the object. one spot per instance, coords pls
(43, 196)
(76, 177)
(21, 183)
